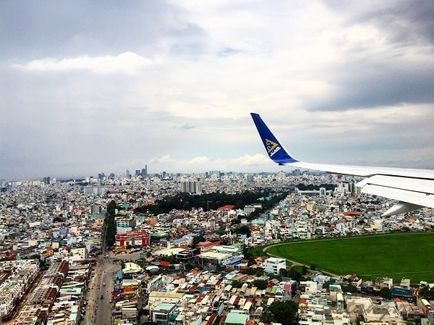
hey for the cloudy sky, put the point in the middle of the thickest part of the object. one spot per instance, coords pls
(89, 86)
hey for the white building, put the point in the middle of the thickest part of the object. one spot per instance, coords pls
(79, 253)
(192, 187)
(273, 265)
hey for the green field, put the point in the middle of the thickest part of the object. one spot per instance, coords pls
(409, 255)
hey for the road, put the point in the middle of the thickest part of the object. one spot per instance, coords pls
(99, 310)
(126, 257)
(104, 305)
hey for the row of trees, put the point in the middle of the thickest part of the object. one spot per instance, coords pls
(211, 201)
(311, 187)
(110, 224)
(268, 204)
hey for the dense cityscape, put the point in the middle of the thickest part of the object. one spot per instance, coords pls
(216, 162)
(189, 249)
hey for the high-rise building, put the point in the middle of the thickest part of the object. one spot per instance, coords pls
(191, 186)
(322, 192)
(127, 174)
(95, 190)
(144, 171)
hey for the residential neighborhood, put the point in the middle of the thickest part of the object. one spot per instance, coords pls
(199, 265)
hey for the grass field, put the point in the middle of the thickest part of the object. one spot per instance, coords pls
(400, 255)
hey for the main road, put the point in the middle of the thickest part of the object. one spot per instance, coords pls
(99, 299)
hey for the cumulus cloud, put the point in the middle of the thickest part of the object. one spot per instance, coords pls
(199, 160)
(257, 159)
(203, 163)
(127, 62)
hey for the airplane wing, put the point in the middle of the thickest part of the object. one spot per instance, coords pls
(413, 188)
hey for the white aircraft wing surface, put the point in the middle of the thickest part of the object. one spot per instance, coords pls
(413, 188)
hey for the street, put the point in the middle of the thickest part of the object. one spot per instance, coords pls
(99, 310)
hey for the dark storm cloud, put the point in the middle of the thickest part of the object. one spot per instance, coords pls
(404, 21)
(35, 29)
(369, 85)
(370, 77)
(401, 20)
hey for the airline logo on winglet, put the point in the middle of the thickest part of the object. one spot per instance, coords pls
(272, 147)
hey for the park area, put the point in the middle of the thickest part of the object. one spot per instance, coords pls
(399, 255)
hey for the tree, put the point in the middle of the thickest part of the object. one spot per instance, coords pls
(385, 293)
(247, 252)
(295, 273)
(326, 285)
(236, 284)
(111, 207)
(266, 317)
(244, 230)
(427, 293)
(283, 273)
(349, 287)
(260, 284)
(197, 240)
(284, 312)
(110, 224)
(171, 259)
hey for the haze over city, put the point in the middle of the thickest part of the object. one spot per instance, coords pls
(105, 86)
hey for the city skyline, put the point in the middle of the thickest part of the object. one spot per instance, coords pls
(92, 87)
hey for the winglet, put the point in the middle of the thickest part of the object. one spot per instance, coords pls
(273, 147)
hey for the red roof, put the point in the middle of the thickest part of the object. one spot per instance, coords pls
(133, 234)
(351, 213)
(128, 290)
(164, 263)
(200, 298)
(226, 207)
(211, 319)
(208, 243)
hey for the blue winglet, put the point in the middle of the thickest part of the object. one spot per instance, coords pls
(273, 147)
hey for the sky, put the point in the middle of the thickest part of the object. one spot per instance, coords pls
(91, 86)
